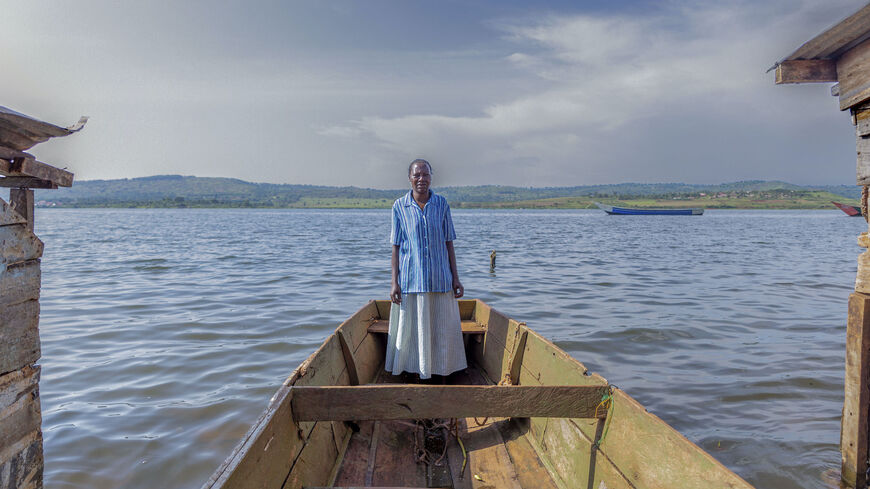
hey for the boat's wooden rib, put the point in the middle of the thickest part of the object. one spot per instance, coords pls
(638, 451)
(376, 402)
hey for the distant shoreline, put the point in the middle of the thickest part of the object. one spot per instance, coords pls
(177, 191)
(543, 204)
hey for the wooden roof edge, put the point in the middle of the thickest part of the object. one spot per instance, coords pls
(26, 171)
(835, 40)
(816, 60)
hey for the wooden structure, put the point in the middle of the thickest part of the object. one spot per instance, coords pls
(542, 421)
(841, 54)
(21, 459)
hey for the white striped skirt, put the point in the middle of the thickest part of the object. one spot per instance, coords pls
(425, 335)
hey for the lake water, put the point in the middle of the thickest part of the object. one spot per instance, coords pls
(165, 332)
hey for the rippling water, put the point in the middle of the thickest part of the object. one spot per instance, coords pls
(165, 332)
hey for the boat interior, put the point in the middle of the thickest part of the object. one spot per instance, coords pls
(523, 415)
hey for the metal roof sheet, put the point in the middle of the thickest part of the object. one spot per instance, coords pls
(21, 132)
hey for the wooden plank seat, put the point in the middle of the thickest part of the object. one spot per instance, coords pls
(403, 401)
(468, 327)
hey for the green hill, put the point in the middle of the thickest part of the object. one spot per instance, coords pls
(190, 191)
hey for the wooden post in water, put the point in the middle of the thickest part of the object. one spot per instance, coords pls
(842, 54)
(21, 459)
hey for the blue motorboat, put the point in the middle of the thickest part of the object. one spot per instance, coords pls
(624, 211)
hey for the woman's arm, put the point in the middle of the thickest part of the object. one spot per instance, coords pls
(395, 290)
(458, 289)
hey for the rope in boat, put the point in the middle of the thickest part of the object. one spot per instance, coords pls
(607, 402)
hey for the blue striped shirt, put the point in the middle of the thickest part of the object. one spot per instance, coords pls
(422, 235)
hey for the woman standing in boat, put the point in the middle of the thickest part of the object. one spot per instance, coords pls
(425, 330)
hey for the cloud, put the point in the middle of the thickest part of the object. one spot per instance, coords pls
(603, 77)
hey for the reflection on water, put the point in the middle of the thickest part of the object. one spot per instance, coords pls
(165, 332)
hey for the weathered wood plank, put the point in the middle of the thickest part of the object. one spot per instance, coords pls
(862, 146)
(349, 362)
(355, 327)
(853, 73)
(18, 244)
(17, 384)
(530, 469)
(443, 401)
(22, 201)
(488, 462)
(316, 461)
(243, 468)
(854, 427)
(22, 468)
(20, 418)
(8, 216)
(26, 182)
(369, 358)
(466, 309)
(29, 167)
(19, 282)
(806, 71)
(382, 326)
(19, 336)
(267, 452)
(636, 442)
(834, 39)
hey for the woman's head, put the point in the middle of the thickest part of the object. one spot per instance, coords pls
(420, 176)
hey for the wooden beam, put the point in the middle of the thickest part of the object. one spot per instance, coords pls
(349, 362)
(22, 202)
(468, 327)
(806, 71)
(854, 429)
(20, 164)
(517, 359)
(379, 402)
(25, 182)
(853, 73)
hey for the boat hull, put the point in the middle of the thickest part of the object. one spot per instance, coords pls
(850, 210)
(626, 211)
(639, 450)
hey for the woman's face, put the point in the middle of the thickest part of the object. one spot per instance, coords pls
(420, 178)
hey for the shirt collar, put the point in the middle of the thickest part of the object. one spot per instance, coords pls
(408, 199)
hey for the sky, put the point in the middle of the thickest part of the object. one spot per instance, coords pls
(505, 92)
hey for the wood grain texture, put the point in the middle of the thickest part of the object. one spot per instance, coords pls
(853, 73)
(20, 282)
(23, 201)
(806, 71)
(437, 401)
(17, 384)
(24, 468)
(487, 458)
(839, 36)
(20, 418)
(382, 326)
(29, 167)
(18, 244)
(26, 182)
(8, 216)
(854, 428)
(19, 336)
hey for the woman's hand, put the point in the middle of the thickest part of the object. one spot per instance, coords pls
(396, 293)
(458, 289)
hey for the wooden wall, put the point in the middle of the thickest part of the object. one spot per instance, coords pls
(21, 461)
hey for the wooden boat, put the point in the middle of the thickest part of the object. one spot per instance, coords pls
(850, 210)
(626, 211)
(543, 421)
